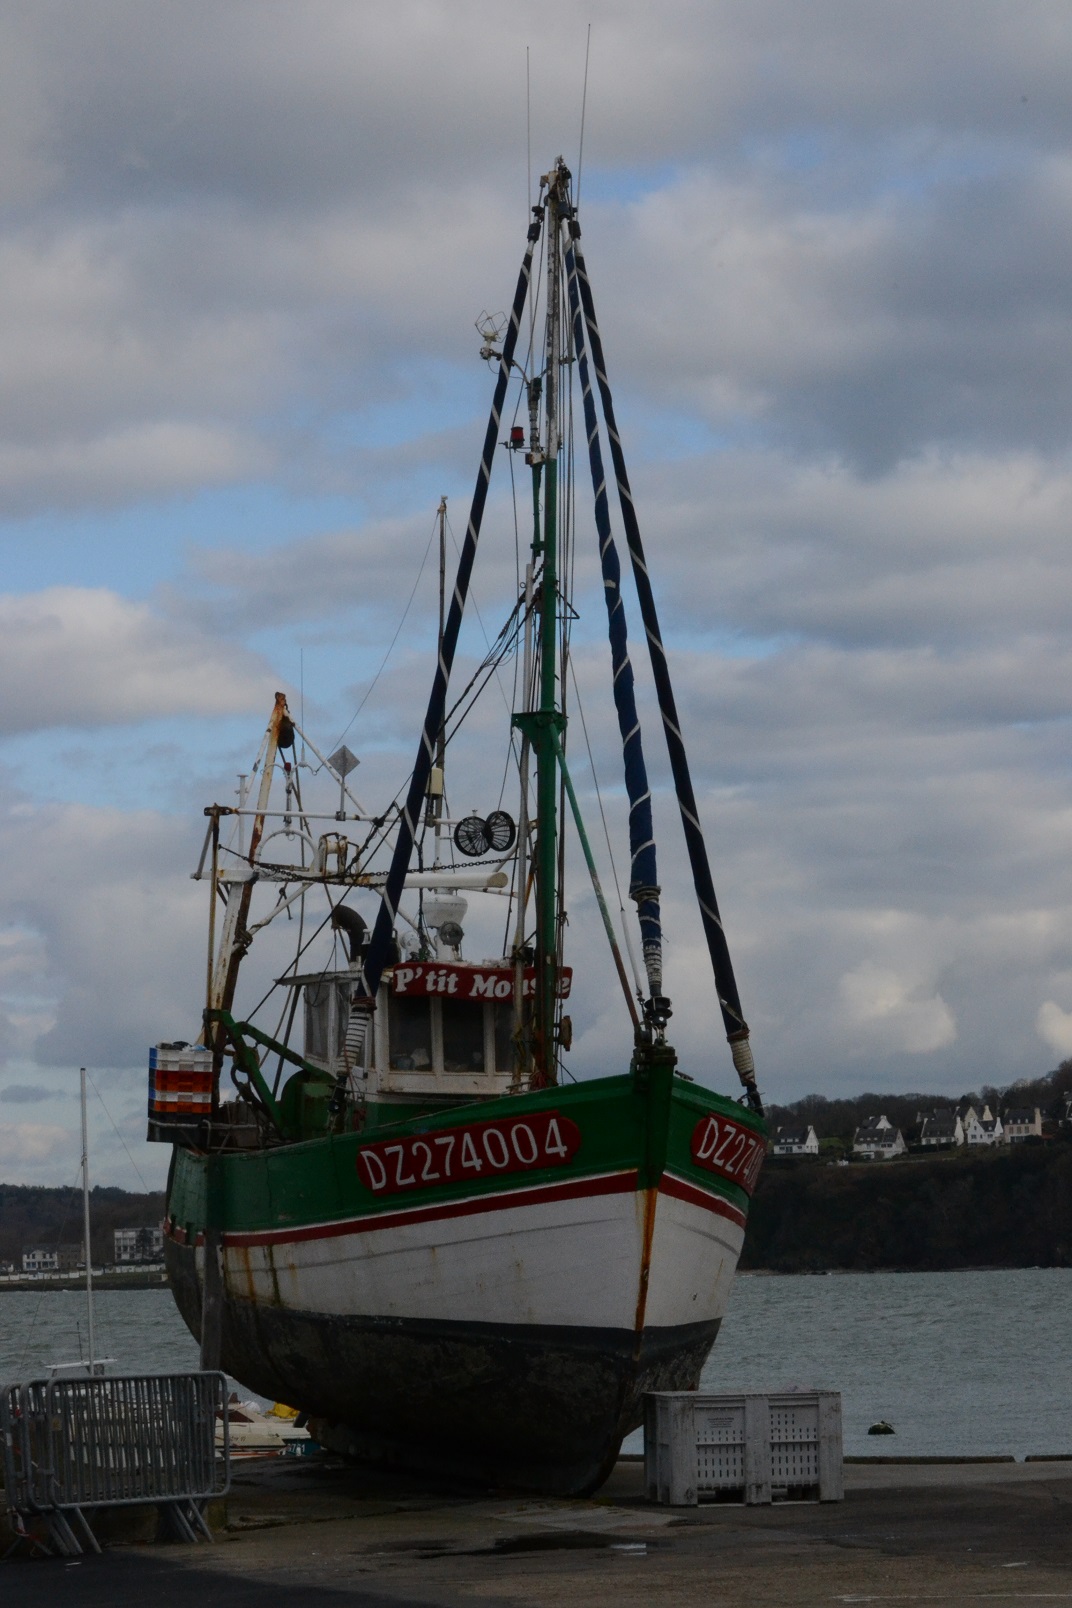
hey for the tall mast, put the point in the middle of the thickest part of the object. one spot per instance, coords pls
(438, 783)
(85, 1223)
(548, 721)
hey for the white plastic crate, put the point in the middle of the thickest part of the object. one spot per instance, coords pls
(747, 1448)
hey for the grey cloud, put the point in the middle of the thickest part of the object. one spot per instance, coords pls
(25, 1093)
(245, 221)
(245, 243)
(75, 656)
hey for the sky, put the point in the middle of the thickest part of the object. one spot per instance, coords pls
(243, 248)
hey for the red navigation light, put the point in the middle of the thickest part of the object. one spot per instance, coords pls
(517, 436)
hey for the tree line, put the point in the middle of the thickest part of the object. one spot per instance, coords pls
(32, 1214)
(840, 1118)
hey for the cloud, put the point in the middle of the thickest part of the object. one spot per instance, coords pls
(883, 1004)
(25, 1093)
(219, 266)
(1054, 1027)
(29, 1143)
(241, 256)
(81, 657)
(117, 926)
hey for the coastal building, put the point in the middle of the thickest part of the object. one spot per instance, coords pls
(1022, 1122)
(795, 1139)
(36, 1259)
(51, 1259)
(876, 1139)
(941, 1130)
(139, 1245)
(982, 1130)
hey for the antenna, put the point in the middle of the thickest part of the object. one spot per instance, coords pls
(584, 105)
(528, 133)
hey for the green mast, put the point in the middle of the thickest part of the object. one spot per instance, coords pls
(544, 724)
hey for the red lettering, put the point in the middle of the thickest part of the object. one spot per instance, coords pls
(709, 1140)
(448, 1141)
(470, 982)
(469, 1156)
(543, 1140)
(532, 1148)
(374, 1167)
(426, 1176)
(553, 1145)
(495, 1148)
(399, 1151)
(720, 1145)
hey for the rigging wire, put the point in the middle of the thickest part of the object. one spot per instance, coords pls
(390, 648)
(607, 838)
(584, 105)
(118, 1135)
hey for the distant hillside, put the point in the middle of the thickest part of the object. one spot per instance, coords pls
(1000, 1207)
(49, 1217)
(839, 1119)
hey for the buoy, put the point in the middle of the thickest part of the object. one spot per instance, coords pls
(882, 1428)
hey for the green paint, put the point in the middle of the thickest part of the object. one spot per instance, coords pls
(625, 1123)
(547, 792)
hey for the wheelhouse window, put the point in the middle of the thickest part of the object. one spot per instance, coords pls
(463, 1035)
(410, 1033)
(317, 1010)
(505, 1056)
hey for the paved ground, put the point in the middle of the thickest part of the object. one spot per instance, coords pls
(302, 1535)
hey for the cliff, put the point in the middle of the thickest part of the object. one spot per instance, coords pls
(1006, 1207)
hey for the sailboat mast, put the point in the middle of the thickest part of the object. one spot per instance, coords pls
(85, 1223)
(438, 782)
(549, 721)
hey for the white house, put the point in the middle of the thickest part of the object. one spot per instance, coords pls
(940, 1129)
(878, 1140)
(795, 1139)
(1022, 1123)
(58, 1259)
(36, 1259)
(981, 1130)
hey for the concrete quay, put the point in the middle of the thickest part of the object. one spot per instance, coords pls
(314, 1533)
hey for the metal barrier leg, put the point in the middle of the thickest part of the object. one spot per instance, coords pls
(94, 1544)
(63, 1538)
(185, 1520)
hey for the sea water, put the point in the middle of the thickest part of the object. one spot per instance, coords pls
(961, 1364)
(966, 1364)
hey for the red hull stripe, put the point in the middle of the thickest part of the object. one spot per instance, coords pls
(608, 1184)
(681, 1189)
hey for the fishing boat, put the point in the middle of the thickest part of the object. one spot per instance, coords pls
(396, 1210)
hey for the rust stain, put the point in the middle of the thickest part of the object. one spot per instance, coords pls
(650, 1199)
(242, 1254)
(277, 1299)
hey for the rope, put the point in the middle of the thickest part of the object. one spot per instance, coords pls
(718, 949)
(379, 944)
(643, 877)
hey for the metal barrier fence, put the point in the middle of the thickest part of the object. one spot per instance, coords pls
(88, 1443)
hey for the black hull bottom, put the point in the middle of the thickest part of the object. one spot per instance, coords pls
(533, 1409)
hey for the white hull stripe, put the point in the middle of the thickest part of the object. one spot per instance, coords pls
(603, 1184)
(619, 1183)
